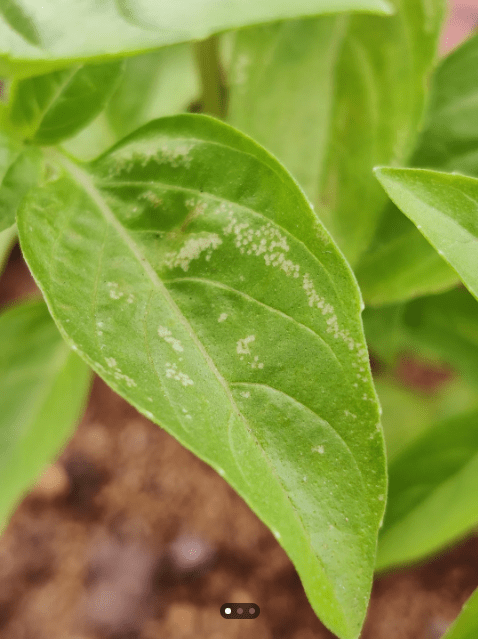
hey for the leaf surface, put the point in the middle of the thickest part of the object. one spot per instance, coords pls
(22, 174)
(36, 37)
(466, 624)
(212, 299)
(351, 90)
(48, 108)
(401, 264)
(444, 208)
(432, 492)
(7, 238)
(44, 386)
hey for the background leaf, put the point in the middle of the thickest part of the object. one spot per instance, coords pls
(244, 333)
(331, 98)
(400, 264)
(432, 492)
(48, 108)
(7, 239)
(466, 625)
(444, 208)
(21, 175)
(44, 387)
(88, 30)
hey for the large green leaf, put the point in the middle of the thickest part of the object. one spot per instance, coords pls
(165, 79)
(332, 98)
(444, 208)
(48, 108)
(22, 174)
(44, 386)
(401, 264)
(190, 272)
(432, 492)
(466, 624)
(7, 238)
(38, 37)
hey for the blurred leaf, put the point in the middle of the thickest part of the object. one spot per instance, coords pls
(7, 239)
(167, 82)
(332, 98)
(44, 387)
(91, 141)
(22, 174)
(49, 108)
(401, 264)
(432, 492)
(244, 332)
(466, 625)
(383, 331)
(39, 38)
(444, 208)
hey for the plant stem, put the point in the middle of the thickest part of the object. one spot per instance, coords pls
(213, 91)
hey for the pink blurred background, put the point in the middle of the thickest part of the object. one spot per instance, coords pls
(463, 18)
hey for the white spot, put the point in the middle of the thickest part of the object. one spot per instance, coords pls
(191, 250)
(114, 293)
(245, 394)
(381, 497)
(276, 534)
(221, 472)
(148, 414)
(151, 197)
(130, 298)
(120, 376)
(172, 372)
(222, 317)
(242, 347)
(319, 449)
(166, 335)
(99, 324)
(150, 399)
(227, 611)
(304, 478)
(347, 413)
(346, 519)
(111, 362)
(241, 69)
(74, 348)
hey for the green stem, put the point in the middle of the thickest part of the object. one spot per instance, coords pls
(207, 58)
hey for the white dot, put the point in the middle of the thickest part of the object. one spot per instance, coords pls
(227, 611)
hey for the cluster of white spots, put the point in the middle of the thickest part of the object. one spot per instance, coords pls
(111, 362)
(266, 240)
(186, 414)
(222, 317)
(165, 333)
(191, 250)
(347, 413)
(172, 371)
(242, 347)
(99, 326)
(115, 294)
(151, 198)
(130, 298)
(245, 394)
(318, 449)
(256, 363)
(120, 376)
(142, 152)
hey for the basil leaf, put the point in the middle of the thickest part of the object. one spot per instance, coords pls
(191, 273)
(351, 99)
(44, 386)
(35, 39)
(49, 108)
(21, 175)
(466, 624)
(444, 208)
(7, 238)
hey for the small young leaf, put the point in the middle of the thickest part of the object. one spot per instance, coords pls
(22, 174)
(401, 264)
(48, 108)
(349, 97)
(466, 624)
(44, 386)
(7, 238)
(188, 269)
(89, 30)
(444, 208)
(432, 492)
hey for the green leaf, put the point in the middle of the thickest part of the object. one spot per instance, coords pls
(446, 325)
(35, 39)
(401, 264)
(167, 82)
(44, 386)
(244, 338)
(466, 624)
(351, 90)
(22, 174)
(49, 108)
(91, 141)
(432, 492)
(444, 208)
(7, 239)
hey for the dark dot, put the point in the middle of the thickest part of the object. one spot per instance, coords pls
(252, 611)
(240, 611)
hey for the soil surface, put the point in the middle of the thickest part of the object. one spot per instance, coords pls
(129, 536)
